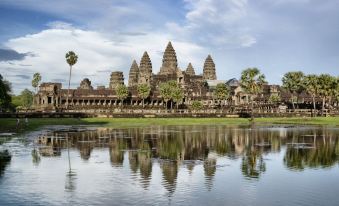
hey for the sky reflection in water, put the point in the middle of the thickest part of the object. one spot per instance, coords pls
(188, 165)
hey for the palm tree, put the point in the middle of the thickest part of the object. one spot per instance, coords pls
(221, 91)
(326, 85)
(252, 82)
(122, 93)
(143, 92)
(312, 85)
(71, 59)
(293, 82)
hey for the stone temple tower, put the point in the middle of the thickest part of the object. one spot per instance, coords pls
(133, 75)
(209, 69)
(145, 70)
(117, 78)
(190, 70)
(169, 61)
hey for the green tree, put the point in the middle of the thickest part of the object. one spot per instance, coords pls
(177, 95)
(35, 81)
(293, 82)
(122, 93)
(143, 92)
(173, 85)
(5, 97)
(336, 90)
(196, 105)
(312, 85)
(24, 100)
(326, 86)
(26, 97)
(274, 99)
(71, 59)
(252, 82)
(221, 91)
(165, 92)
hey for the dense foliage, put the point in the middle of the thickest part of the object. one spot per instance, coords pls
(24, 100)
(143, 92)
(122, 92)
(5, 97)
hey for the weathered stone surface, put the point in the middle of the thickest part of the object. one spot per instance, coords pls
(85, 84)
(169, 61)
(190, 70)
(209, 69)
(51, 96)
(133, 75)
(145, 70)
(117, 78)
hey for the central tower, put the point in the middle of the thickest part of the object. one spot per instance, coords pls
(169, 61)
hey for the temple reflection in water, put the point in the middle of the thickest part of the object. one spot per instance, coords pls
(173, 147)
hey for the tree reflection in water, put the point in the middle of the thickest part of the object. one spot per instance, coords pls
(35, 157)
(169, 175)
(5, 159)
(70, 182)
(185, 146)
(210, 167)
(253, 164)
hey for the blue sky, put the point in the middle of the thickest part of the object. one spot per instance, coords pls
(275, 36)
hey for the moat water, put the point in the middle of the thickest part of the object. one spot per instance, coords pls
(172, 165)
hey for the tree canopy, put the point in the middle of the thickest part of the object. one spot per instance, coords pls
(143, 92)
(222, 91)
(252, 80)
(36, 80)
(122, 92)
(5, 97)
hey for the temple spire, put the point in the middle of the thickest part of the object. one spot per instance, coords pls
(133, 74)
(145, 69)
(190, 70)
(169, 61)
(209, 69)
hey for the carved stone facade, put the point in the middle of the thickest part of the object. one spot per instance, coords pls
(145, 70)
(133, 75)
(85, 84)
(190, 70)
(195, 87)
(117, 78)
(209, 69)
(169, 61)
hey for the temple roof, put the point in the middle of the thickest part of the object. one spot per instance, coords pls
(134, 67)
(169, 61)
(133, 74)
(145, 64)
(209, 69)
(190, 69)
(233, 82)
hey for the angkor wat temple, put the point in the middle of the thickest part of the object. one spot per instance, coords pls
(52, 96)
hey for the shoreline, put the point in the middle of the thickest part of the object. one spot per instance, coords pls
(9, 124)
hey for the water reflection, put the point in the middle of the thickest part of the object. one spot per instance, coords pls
(5, 159)
(173, 147)
(70, 184)
(35, 157)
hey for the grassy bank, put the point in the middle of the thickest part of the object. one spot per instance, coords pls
(9, 124)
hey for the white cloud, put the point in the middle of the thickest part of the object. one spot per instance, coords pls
(216, 23)
(96, 52)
